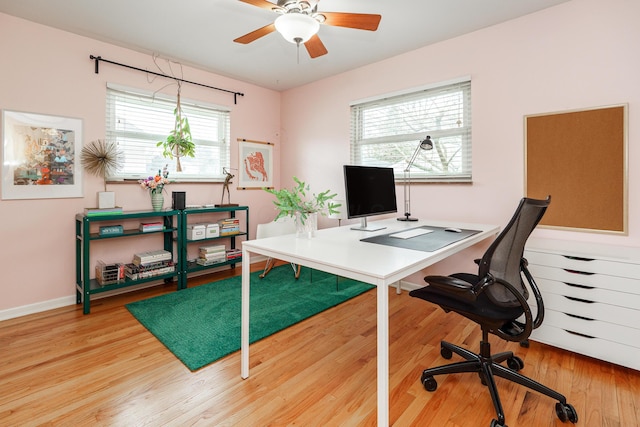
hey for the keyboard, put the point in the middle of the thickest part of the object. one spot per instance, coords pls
(408, 234)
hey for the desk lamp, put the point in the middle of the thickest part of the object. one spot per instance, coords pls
(425, 144)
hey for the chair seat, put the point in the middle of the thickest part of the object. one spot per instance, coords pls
(449, 300)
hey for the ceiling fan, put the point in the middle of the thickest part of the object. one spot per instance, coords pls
(299, 22)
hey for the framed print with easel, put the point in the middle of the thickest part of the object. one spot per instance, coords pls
(40, 156)
(255, 164)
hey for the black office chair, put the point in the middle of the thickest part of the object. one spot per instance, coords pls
(496, 299)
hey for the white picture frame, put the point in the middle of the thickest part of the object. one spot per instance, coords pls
(40, 156)
(255, 164)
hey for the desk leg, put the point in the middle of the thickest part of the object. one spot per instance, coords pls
(244, 333)
(383, 354)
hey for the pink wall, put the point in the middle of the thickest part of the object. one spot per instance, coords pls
(579, 54)
(48, 71)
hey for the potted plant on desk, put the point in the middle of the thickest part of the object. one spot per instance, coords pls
(299, 203)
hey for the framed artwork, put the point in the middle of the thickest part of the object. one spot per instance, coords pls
(255, 164)
(40, 156)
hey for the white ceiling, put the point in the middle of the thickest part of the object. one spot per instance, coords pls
(201, 32)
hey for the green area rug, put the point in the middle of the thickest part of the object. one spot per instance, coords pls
(202, 324)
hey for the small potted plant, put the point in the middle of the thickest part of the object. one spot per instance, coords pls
(299, 203)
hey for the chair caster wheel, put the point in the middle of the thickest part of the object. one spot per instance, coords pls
(496, 423)
(429, 383)
(446, 353)
(515, 363)
(566, 412)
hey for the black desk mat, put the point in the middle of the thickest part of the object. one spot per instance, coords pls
(429, 242)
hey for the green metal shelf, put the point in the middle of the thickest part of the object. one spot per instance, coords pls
(174, 240)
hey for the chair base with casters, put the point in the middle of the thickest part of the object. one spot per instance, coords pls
(488, 366)
(496, 299)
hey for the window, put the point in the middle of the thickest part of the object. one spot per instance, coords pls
(385, 132)
(137, 121)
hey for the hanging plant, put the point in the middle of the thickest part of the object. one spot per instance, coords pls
(179, 142)
(101, 158)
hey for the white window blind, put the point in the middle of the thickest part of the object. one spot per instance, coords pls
(385, 132)
(137, 121)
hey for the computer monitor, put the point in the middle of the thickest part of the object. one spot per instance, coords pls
(370, 191)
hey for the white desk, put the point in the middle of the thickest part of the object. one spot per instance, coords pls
(339, 251)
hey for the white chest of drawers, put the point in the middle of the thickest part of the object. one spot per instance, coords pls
(591, 295)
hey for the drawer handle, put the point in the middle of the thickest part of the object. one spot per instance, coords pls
(577, 258)
(579, 299)
(575, 285)
(579, 317)
(584, 273)
(580, 335)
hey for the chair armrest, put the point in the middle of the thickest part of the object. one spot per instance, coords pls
(452, 285)
(536, 293)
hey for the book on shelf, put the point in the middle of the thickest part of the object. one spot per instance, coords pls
(151, 256)
(206, 262)
(220, 255)
(234, 253)
(134, 271)
(151, 226)
(102, 211)
(229, 231)
(111, 230)
(212, 249)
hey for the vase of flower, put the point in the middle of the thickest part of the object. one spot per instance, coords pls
(155, 185)
(157, 201)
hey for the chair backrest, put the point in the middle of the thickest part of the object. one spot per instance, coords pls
(283, 225)
(502, 259)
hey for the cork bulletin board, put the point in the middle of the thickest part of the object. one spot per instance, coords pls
(580, 159)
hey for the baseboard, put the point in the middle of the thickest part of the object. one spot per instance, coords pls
(408, 286)
(37, 307)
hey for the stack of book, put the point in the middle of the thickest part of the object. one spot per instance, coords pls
(209, 255)
(104, 211)
(146, 227)
(148, 257)
(234, 254)
(150, 264)
(229, 226)
(143, 271)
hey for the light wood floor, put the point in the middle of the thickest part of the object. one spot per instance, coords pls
(105, 369)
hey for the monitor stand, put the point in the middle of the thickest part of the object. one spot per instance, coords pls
(365, 227)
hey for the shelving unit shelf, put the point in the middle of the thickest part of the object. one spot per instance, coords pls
(230, 211)
(174, 240)
(85, 286)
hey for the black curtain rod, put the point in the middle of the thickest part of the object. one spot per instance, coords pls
(99, 58)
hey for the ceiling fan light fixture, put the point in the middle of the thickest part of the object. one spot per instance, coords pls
(296, 27)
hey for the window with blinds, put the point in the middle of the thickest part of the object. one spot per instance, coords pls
(387, 131)
(137, 121)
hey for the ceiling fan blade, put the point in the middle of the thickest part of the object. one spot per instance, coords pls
(360, 21)
(315, 47)
(264, 4)
(255, 35)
